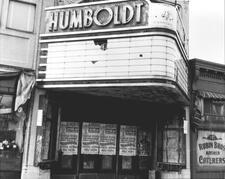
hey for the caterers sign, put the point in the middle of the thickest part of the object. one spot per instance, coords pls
(98, 15)
(211, 148)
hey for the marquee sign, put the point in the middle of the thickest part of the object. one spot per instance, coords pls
(211, 149)
(98, 15)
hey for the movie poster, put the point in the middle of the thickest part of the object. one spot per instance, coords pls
(107, 144)
(128, 140)
(69, 136)
(90, 138)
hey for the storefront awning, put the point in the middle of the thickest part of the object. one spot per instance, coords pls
(212, 95)
(15, 89)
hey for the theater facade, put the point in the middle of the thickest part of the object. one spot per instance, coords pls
(112, 92)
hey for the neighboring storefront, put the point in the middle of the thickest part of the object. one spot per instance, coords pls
(208, 116)
(112, 97)
(19, 32)
(14, 92)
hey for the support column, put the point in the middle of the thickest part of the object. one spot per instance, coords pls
(186, 173)
(188, 157)
(28, 168)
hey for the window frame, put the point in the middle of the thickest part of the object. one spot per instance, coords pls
(34, 17)
(208, 110)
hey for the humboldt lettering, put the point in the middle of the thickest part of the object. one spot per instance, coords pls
(98, 16)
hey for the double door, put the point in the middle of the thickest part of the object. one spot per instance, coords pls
(89, 150)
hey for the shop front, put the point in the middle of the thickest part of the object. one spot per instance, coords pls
(13, 113)
(112, 96)
(208, 118)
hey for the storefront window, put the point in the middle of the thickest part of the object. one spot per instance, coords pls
(173, 142)
(11, 140)
(144, 147)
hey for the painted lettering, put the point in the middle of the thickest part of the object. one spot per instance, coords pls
(206, 145)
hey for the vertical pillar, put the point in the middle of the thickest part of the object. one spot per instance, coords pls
(186, 173)
(187, 116)
(28, 167)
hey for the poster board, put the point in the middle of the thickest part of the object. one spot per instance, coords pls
(90, 138)
(69, 135)
(107, 143)
(128, 140)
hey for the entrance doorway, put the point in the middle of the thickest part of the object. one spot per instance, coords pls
(103, 137)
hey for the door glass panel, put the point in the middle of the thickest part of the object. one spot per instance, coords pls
(126, 162)
(67, 162)
(89, 162)
(144, 163)
(107, 162)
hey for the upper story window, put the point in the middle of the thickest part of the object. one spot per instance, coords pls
(21, 16)
(214, 110)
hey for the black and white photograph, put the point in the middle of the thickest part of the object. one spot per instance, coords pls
(112, 89)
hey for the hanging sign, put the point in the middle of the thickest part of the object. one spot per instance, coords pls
(98, 15)
(144, 142)
(211, 148)
(90, 138)
(69, 135)
(128, 140)
(107, 144)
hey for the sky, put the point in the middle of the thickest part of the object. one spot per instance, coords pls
(206, 29)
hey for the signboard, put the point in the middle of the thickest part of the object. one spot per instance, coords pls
(69, 135)
(163, 16)
(128, 140)
(211, 149)
(98, 15)
(107, 144)
(90, 138)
